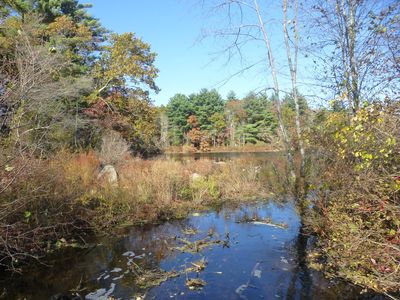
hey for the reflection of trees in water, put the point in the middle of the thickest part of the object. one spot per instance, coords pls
(313, 284)
(70, 267)
(151, 243)
(157, 240)
(301, 273)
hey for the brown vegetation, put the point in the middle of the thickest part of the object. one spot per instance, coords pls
(45, 201)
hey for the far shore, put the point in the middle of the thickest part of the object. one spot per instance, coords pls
(245, 149)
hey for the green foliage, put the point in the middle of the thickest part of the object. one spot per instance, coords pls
(231, 96)
(205, 189)
(59, 47)
(260, 117)
(74, 41)
(250, 120)
(143, 132)
(205, 104)
(178, 109)
(218, 127)
(7, 7)
(289, 102)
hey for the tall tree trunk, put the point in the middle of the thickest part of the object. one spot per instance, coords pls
(232, 133)
(347, 41)
(293, 62)
(352, 58)
(271, 62)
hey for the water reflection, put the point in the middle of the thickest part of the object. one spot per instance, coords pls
(224, 156)
(249, 261)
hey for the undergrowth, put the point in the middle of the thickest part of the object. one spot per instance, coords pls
(61, 198)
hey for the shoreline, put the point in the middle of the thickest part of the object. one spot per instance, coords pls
(216, 151)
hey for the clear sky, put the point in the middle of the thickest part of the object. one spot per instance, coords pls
(173, 29)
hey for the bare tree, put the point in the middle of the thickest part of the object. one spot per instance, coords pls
(247, 25)
(293, 63)
(113, 148)
(354, 42)
(163, 123)
(33, 92)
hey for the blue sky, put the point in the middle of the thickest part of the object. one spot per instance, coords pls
(173, 29)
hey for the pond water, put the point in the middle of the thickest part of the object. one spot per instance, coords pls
(224, 156)
(240, 258)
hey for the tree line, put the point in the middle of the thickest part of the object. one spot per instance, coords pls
(205, 119)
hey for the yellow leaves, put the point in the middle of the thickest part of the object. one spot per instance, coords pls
(84, 32)
(337, 135)
(127, 60)
(365, 156)
(364, 140)
(391, 141)
(8, 168)
(359, 127)
(363, 206)
(11, 27)
(62, 26)
(336, 119)
(66, 27)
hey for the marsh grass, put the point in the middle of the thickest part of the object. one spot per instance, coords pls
(61, 198)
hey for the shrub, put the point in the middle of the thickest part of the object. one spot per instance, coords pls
(358, 210)
(113, 148)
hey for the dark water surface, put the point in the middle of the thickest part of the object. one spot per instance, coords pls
(225, 156)
(253, 261)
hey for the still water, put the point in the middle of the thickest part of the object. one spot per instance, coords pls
(243, 260)
(225, 156)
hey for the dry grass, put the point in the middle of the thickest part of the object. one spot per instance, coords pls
(61, 198)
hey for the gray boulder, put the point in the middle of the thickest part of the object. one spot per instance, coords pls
(196, 176)
(108, 174)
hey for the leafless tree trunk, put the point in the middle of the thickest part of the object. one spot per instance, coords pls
(232, 133)
(271, 62)
(346, 25)
(244, 33)
(164, 125)
(293, 62)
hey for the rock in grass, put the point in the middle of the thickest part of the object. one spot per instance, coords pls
(108, 174)
(196, 176)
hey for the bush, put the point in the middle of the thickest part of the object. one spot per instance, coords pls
(358, 211)
(39, 205)
(113, 148)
